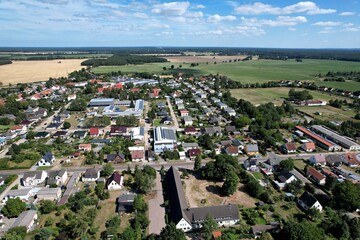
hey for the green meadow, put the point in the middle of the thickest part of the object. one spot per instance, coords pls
(256, 71)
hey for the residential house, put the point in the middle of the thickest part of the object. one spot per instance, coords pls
(47, 160)
(162, 113)
(252, 149)
(308, 201)
(118, 131)
(351, 159)
(26, 219)
(230, 129)
(60, 134)
(115, 181)
(80, 134)
(33, 178)
(23, 194)
(58, 177)
(315, 175)
(289, 147)
(94, 132)
(115, 158)
(138, 133)
(258, 230)
(333, 159)
(137, 153)
(318, 159)
(166, 120)
(308, 147)
(18, 129)
(91, 175)
(193, 153)
(212, 131)
(189, 146)
(214, 120)
(40, 135)
(285, 177)
(251, 165)
(125, 202)
(232, 150)
(86, 147)
(190, 131)
(52, 194)
(188, 121)
(184, 113)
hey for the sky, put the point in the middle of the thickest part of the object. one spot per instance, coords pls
(197, 23)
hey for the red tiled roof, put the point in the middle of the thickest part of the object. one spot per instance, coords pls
(232, 149)
(290, 146)
(194, 152)
(315, 174)
(310, 145)
(216, 234)
(351, 158)
(94, 131)
(16, 127)
(312, 135)
(85, 145)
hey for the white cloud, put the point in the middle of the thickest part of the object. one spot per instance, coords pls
(347, 13)
(199, 6)
(278, 22)
(301, 7)
(165, 34)
(327, 24)
(171, 9)
(217, 18)
(351, 29)
(194, 14)
(292, 29)
(140, 15)
(348, 25)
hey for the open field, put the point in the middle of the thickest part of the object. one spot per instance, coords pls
(202, 59)
(347, 86)
(329, 113)
(197, 190)
(274, 95)
(248, 71)
(42, 56)
(35, 71)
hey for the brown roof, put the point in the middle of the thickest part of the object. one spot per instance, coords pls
(351, 158)
(315, 174)
(310, 145)
(290, 146)
(190, 129)
(232, 150)
(137, 154)
(194, 152)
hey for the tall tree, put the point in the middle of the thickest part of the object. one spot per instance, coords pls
(13, 208)
(230, 183)
(208, 226)
(197, 163)
(170, 232)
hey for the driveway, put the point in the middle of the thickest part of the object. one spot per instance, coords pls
(156, 212)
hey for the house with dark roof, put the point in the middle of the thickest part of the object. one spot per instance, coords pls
(40, 135)
(315, 175)
(118, 131)
(186, 218)
(250, 165)
(33, 178)
(190, 131)
(58, 177)
(333, 159)
(308, 201)
(125, 202)
(91, 175)
(118, 157)
(232, 150)
(193, 153)
(115, 181)
(60, 134)
(252, 149)
(284, 177)
(47, 160)
(212, 131)
(80, 134)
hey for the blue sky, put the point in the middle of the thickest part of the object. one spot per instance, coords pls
(276, 23)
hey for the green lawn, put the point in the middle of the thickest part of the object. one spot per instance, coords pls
(258, 175)
(44, 168)
(248, 71)
(156, 122)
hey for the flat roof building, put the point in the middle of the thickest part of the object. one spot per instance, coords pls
(164, 139)
(101, 102)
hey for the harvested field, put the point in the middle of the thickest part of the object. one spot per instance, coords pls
(197, 190)
(210, 59)
(36, 71)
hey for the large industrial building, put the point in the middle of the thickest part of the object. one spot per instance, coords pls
(336, 138)
(164, 139)
(320, 141)
(101, 102)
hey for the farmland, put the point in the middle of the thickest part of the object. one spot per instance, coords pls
(329, 113)
(202, 59)
(274, 95)
(35, 71)
(248, 72)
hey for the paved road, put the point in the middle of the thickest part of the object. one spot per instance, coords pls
(17, 181)
(147, 127)
(174, 118)
(156, 211)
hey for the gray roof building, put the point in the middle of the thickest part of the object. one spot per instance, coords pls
(26, 219)
(101, 102)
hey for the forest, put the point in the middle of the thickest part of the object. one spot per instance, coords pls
(118, 60)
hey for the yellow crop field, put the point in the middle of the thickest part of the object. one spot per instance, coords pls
(36, 71)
